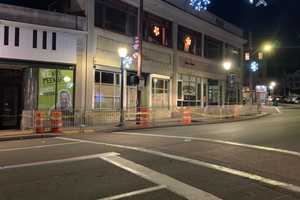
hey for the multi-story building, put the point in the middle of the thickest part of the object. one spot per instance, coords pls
(53, 60)
(292, 83)
(41, 55)
(183, 52)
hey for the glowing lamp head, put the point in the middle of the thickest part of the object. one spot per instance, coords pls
(227, 65)
(267, 47)
(122, 52)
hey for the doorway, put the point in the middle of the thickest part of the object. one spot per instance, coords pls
(10, 99)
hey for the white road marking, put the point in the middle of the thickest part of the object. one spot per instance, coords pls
(180, 188)
(239, 173)
(256, 147)
(80, 158)
(277, 109)
(38, 147)
(135, 193)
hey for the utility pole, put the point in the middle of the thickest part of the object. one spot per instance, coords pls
(139, 65)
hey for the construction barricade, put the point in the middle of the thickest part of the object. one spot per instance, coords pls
(56, 122)
(39, 122)
(187, 116)
(145, 117)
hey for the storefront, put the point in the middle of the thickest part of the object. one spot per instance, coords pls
(26, 86)
(191, 91)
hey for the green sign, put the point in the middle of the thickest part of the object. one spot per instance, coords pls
(53, 91)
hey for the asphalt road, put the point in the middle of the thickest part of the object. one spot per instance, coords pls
(250, 160)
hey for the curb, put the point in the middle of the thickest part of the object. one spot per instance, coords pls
(111, 130)
(27, 137)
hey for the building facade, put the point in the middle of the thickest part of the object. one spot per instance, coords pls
(183, 52)
(40, 57)
(69, 62)
(292, 83)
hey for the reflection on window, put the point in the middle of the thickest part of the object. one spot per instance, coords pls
(234, 54)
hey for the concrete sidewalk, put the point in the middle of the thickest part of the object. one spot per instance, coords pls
(130, 125)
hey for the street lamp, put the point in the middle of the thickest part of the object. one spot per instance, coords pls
(268, 47)
(227, 65)
(123, 54)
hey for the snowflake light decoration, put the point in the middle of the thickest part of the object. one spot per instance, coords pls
(199, 4)
(259, 2)
(254, 66)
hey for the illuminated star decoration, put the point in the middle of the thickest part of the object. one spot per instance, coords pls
(254, 66)
(258, 2)
(199, 4)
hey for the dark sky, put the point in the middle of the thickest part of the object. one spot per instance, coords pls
(279, 21)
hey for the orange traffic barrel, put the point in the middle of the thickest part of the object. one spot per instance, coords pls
(187, 116)
(56, 122)
(39, 122)
(145, 117)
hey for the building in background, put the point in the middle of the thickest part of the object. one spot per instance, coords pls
(183, 52)
(292, 83)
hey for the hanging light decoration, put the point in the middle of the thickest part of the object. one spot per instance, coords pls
(156, 31)
(258, 3)
(199, 4)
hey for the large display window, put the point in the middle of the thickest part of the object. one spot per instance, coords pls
(55, 89)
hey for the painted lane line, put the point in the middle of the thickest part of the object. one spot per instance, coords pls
(253, 177)
(277, 109)
(38, 147)
(135, 193)
(66, 160)
(256, 147)
(180, 188)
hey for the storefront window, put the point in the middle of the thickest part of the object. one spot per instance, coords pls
(107, 90)
(160, 93)
(190, 89)
(56, 87)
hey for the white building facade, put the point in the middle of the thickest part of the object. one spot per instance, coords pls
(183, 52)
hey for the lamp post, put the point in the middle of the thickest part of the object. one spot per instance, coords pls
(122, 53)
(227, 65)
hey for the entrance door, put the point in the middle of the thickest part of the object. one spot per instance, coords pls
(10, 99)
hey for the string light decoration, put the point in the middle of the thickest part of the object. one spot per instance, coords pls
(199, 4)
(156, 31)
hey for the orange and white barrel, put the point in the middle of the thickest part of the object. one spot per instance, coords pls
(187, 116)
(56, 122)
(39, 122)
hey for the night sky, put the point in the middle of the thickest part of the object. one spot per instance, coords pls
(279, 22)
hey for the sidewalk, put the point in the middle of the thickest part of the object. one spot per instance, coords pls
(130, 125)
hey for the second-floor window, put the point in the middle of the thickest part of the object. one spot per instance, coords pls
(213, 49)
(116, 16)
(157, 30)
(189, 41)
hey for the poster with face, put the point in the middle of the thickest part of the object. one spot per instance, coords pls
(53, 91)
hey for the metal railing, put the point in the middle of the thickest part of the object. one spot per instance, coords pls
(153, 116)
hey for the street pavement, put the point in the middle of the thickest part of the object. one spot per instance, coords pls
(250, 160)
